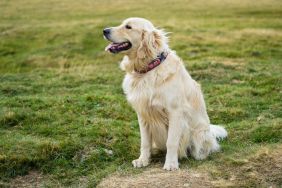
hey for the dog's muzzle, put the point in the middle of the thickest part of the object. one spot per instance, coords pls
(115, 47)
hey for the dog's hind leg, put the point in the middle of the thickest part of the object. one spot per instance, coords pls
(203, 143)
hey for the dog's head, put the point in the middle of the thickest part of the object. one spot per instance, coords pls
(136, 36)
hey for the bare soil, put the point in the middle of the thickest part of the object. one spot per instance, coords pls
(264, 169)
(31, 180)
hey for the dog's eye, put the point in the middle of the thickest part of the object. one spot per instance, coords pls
(128, 27)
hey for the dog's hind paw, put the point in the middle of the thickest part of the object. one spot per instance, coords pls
(138, 163)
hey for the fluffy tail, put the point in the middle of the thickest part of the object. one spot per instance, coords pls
(218, 131)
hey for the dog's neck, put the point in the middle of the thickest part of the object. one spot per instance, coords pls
(136, 64)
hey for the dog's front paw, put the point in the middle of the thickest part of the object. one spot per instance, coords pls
(138, 163)
(171, 165)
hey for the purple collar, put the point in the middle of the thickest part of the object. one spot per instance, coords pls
(153, 64)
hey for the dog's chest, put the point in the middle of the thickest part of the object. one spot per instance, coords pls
(142, 95)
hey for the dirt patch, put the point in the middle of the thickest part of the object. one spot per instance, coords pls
(157, 177)
(264, 169)
(269, 165)
(31, 180)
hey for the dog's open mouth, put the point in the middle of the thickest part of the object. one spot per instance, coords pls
(118, 47)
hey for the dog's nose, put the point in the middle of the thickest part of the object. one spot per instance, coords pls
(106, 31)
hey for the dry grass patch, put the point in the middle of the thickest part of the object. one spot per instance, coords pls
(32, 179)
(260, 32)
(263, 169)
(156, 177)
(236, 63)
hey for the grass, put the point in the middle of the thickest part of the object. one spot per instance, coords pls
(61, 103)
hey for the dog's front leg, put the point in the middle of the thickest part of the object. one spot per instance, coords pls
(174, 134)
(146, 144)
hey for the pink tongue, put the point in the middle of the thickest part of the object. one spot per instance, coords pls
(112, 45)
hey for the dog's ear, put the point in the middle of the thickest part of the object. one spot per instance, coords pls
(151, 42)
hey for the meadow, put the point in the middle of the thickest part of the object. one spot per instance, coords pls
(64, 118)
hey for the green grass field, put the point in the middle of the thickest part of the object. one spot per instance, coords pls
(62, 107)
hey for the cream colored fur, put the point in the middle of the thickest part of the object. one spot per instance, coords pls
(170, 106)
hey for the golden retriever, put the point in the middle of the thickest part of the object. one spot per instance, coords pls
(169, 104)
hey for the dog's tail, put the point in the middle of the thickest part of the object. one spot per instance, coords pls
(218, 131)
